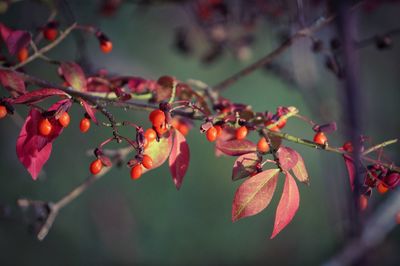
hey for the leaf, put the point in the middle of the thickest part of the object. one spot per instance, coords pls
(236, 147)
(39, 95)
(287, 157)
(254, 194)
(33, 149)
(287, 206)
(228, 133)
(90, 111)
(179, 159)
(4, 31)
(245, 165)
(17, 40)
(159, 151)
(300, 170)
(13, 82)
(74, 75)
(326, 128)
(351, 170)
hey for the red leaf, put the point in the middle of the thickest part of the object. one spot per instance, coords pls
(17, 40)
(288, 205)
(179, 159)
(236, 147)
(300, 170)
(228, 133)
(38, 95)
(90, 111)
(254, 194)
(4, 32)
(159, 151)
(245, 165)
(33, 149)
(351, 170)
(287, 157)
(74, 75)
(12, 81)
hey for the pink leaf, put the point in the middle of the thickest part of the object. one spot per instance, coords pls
(90, 111)
(255, 194)
(236, 147)
(74, 75)
(228, 133)
(245, 165)
(17, 40)
(350, 169)
(287, 157)
(179, 159)
(4, 32)
(39, 95)
(288, 205)
(300, 170)
(13, 82)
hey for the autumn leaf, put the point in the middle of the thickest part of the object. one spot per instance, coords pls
(299, 170)
(38, 95)
(179, 159)
(287, 206)
(287, 158)
(236, 147)
(254, 194)
(350, 169)
(159, 151)
(245, 165)
(90, 111)
(74, 75)
(13, 82)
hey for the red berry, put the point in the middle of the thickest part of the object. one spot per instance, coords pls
(320, 138)
(363, 202)
(150, 135)
(348, 146)
(147, 161)
(45, 127)
(84, 125)
(274, 128)
(157, 117)
(96, 166)
(106, 46)
(382, 188)
(50, 33)
(23, 54)
(183, 128)
(282, 123)
(161, 129)
(262, 145)
(211, 134)
(219, 130)
(3, 111)
(241, 133)
(136, 171)
(64, 119)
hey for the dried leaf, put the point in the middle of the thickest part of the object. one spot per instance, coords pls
(287, 206)
(179, 159)
(254, 194)
(74, 75)
(245, 165)
(236, 147)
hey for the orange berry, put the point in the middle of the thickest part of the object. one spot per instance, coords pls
(282, 123)
(45, 127)
(50, 33)
(363, 202)
(183, 128)
(211, 134)
(348, 146)
(219, 130)
(106, 46)
(145, 143)
(241, 133)
(64, 119)
(150, 135)
(3, 111)
(84, 125)
(23, 54)
(136, 171)
(157, 117)
(96, 166)
(320, 138)
(161, 129)
(262, 145)
(147, 161)
(274, 128)
(382, 188)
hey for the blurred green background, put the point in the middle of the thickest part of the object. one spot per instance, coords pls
(118, 221)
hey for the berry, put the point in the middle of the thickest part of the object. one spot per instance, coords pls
(23, 54)
(392, 179)
(3, 111)
(150, 135)
(241, 133)
(50, 33)
(96, 166)
(106, 46)
(320, 138)
(282, 123)
(147, 161)
(348, 146)
(64, 119)
(157, 117)
(136, 171)
(219, 130)
(84, 125)
(211, 134)
(161, 129)
(45, 127)
(274, 128)
(262, 145)
(382, 188)
(363, 202)
(183, 128)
